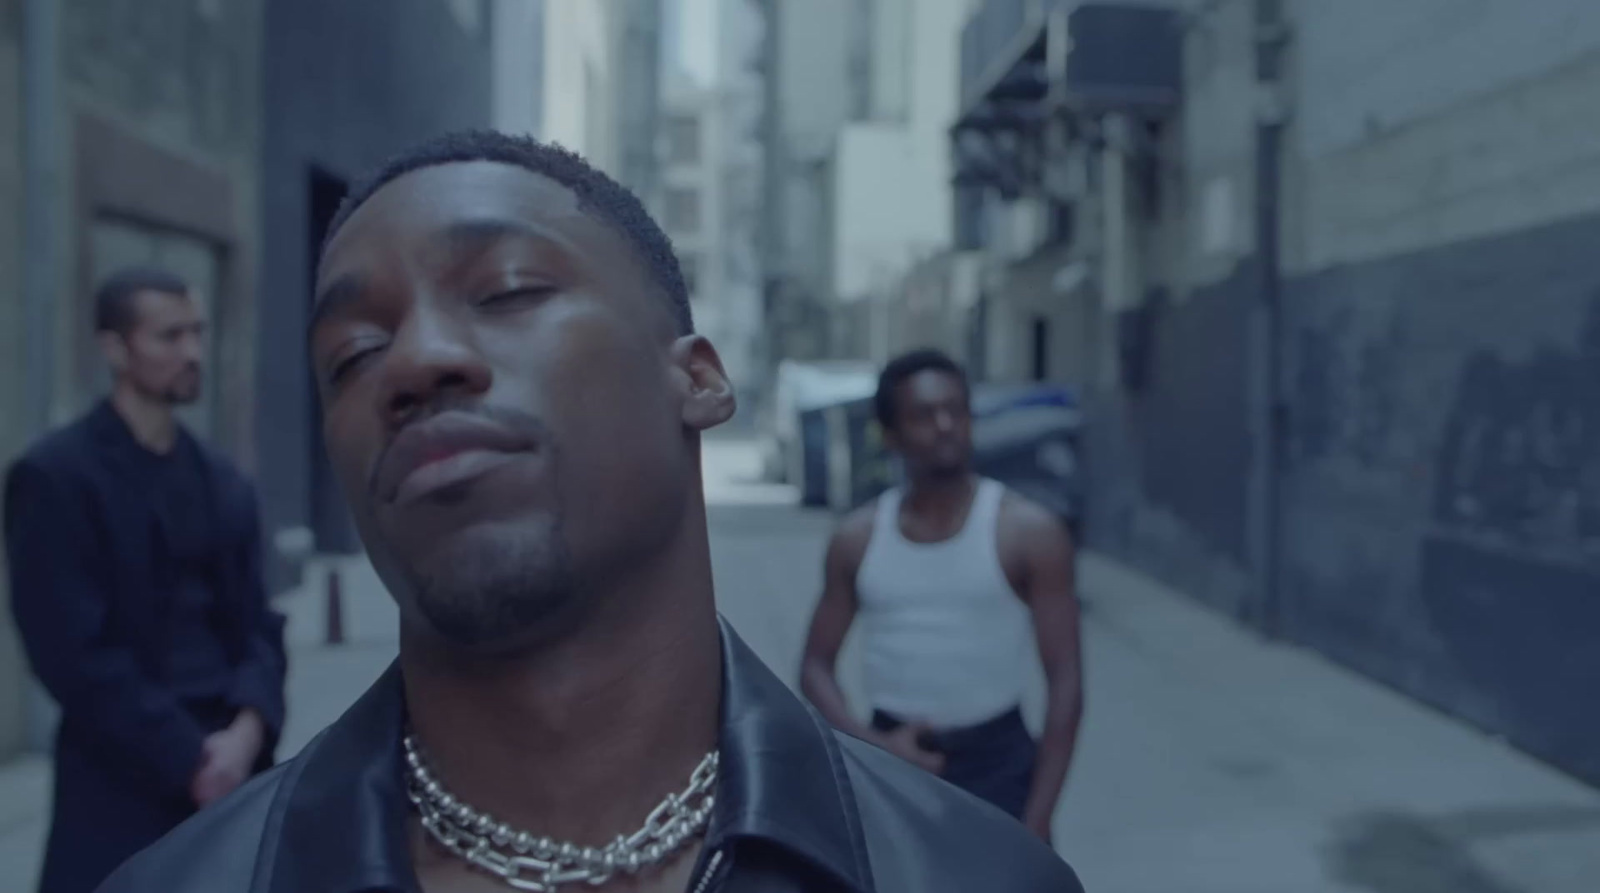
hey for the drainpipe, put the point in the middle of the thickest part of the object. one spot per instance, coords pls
(1271, 428)
(41, 178)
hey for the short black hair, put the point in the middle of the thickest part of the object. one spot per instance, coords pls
(603, 198)
(113, 301)
(903, 367)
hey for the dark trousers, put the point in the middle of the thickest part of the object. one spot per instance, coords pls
(106, 811)
(993, 760)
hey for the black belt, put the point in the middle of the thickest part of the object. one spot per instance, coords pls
(958, 738)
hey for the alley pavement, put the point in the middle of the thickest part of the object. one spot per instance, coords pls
(1210, 761)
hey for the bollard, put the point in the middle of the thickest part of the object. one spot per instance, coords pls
(335, 609)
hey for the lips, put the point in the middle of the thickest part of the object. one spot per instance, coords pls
(442, 451)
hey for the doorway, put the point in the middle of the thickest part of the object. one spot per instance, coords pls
(331, 526)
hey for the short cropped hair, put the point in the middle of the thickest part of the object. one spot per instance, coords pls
(114, 309)
(903, 367)
(601, 197)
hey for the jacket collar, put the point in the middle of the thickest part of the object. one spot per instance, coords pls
(108, 426)
(782, 781)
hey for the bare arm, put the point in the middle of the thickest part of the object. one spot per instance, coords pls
(835, 613)
(1048, 559)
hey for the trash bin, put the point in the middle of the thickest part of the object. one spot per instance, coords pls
(813, 465)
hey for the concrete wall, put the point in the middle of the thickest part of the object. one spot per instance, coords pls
(1440, 520)
(891, 203)
(13, 410)
(519, 40)
(636, 106)
(812, 98)
(578, 70)
(347, 84)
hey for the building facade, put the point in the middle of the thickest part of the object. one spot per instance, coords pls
(338, 101)
(1329, 306)
(813, 89)
(711, 177)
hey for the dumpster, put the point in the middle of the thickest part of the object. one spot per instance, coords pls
(811, 477)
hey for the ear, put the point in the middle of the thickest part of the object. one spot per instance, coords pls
(115, 350)
(708, 399)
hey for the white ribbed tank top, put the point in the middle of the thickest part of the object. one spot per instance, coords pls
(944, 634)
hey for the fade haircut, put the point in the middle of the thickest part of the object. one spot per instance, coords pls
(603, 198)
(114, 309)
(903, 367)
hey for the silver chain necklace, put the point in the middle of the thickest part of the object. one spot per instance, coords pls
(538, 864)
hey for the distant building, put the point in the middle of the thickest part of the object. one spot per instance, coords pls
(813, 89)
(711, 188)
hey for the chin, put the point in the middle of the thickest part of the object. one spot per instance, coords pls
(493, 589)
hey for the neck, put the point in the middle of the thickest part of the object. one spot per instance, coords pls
(937, 492)
(582, 739)
(151, 422)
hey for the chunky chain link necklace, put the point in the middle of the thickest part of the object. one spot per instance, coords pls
(538, 864)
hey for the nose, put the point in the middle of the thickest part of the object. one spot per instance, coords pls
(428, 361)
(193, 346)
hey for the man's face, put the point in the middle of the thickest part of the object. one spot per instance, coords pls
(160, 354)
(504, 399)
(933, 423)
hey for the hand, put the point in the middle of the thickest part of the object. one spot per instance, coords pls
(1042, 828)
(227, 758)
(903, 743)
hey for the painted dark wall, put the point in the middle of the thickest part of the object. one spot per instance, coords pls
(1441, 493)
(347, 84)
(1443, 497)
(1168, 462)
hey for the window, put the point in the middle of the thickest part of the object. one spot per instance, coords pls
(683, 210)
(683, 139)
(690, 265)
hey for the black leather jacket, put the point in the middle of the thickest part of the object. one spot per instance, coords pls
(799, 808)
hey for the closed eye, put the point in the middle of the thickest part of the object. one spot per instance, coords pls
(517, 297)
(349, 364)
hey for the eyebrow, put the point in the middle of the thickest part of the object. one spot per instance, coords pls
(484, 232)
(464, 237)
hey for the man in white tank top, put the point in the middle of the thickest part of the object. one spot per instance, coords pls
(952, 576)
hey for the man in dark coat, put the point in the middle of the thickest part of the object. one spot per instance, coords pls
(136, 583)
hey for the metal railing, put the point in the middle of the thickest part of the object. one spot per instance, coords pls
(994, 37)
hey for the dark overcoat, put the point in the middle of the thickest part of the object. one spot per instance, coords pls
(90, 593)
